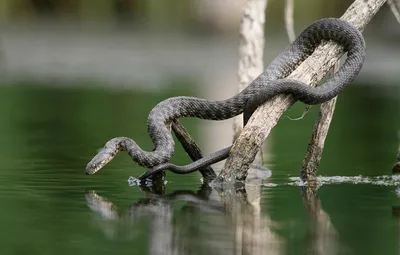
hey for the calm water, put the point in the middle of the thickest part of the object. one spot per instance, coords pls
(49, 206)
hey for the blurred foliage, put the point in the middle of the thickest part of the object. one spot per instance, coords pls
(149, 12)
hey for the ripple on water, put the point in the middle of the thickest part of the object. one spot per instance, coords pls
(383, 180)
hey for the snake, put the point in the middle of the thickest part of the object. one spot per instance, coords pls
(268, 84)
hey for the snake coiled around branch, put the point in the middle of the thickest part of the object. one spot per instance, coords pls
(268, 84)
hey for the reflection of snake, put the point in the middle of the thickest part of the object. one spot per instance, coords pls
(153, 202)
(268, 84)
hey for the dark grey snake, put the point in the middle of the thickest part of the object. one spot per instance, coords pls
(270, 83)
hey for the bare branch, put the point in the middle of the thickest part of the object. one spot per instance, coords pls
(316, 144)
(250, 49)
(310, 71)
(396, 167)
(191, 148)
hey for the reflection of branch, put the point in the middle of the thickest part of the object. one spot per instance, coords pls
(324, 236)
(253, 234)
(396, 214)
(236, 223)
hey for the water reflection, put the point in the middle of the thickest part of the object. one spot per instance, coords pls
(323, 236)
(214, 221)
(45, 149)
(232, 224)
(396, 214)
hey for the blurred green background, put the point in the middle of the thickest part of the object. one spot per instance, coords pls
(152, 12)
(77, 73)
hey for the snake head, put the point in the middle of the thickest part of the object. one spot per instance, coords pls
(99, 161)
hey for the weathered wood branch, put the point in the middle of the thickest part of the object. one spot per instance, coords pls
(251, 50)
(191, 148)
(396, 167)
(310, 71)
(316, 144)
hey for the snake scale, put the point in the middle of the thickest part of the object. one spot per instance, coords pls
(268, 84)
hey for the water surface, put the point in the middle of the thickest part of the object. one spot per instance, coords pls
(49, 206)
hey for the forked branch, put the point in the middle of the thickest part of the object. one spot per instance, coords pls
(310, 71)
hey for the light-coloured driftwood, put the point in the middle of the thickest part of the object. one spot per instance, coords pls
(251, 50)
(310, 71)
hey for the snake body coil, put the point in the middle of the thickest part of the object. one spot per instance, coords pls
(270, 83)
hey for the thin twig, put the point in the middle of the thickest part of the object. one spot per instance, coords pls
(310, 71)
(306, 110)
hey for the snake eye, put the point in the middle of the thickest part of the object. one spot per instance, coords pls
(93, 165)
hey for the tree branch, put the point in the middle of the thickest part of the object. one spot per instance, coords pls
(251, 49)
(316, 144)
(396, 167)
(310, 71)
(191, 148)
